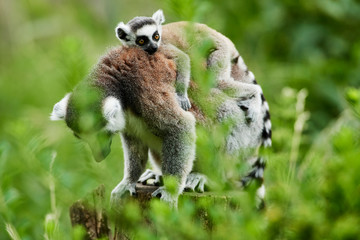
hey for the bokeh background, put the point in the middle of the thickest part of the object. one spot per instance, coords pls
(306, 56)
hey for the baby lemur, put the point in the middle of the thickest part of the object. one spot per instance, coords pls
(145, 33)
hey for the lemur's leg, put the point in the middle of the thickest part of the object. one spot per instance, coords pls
(135, 158)
(178, 154)
(182, 62)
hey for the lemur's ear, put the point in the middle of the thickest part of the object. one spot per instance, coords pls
(158, 16)
(59, 110)
(113, 114)
(122, 31)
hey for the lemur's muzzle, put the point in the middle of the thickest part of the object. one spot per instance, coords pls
(151, 49)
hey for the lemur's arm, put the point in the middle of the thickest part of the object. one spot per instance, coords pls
(182, 62)
(240, 90)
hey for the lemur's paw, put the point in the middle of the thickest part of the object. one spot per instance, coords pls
(150, 174)
(184, 102)
(165, 196)
(196, 182)
(120, 190)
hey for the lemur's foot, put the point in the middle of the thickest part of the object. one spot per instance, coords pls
(150, 174)
(184, 102)
(120, 190)
(196, 182)
(165, 196)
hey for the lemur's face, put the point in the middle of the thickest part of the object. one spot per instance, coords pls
(148, 38)
(144, 32)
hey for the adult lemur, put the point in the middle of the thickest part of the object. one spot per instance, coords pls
(231, 75)
(132, 92)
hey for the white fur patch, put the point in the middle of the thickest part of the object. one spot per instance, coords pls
(268, 124)
(266, 106)
(147, 30)
(59, 110)
(114, 114)
(267, 143)
(261, 192)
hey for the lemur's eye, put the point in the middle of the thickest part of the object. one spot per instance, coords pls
(156, 36)
(141, 40)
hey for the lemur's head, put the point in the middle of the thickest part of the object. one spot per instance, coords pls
(94, 122)
(144, 32)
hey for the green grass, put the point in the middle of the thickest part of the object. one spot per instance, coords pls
(312, 178)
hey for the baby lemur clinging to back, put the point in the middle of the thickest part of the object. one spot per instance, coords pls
(145, 33)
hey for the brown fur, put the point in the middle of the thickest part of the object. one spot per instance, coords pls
(145, 86)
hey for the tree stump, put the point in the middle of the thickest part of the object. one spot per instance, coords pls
(91, 214)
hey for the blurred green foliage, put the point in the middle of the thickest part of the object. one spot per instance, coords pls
(47, 47)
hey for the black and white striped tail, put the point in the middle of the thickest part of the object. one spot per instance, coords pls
(256, 173)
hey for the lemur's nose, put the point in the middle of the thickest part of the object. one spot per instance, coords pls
(152, 49)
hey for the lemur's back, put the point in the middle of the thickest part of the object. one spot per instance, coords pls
(187, 36)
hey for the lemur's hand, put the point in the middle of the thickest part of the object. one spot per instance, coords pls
(184, 101)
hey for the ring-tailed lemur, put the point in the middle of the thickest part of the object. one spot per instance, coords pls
(108, 104)
(231, 74)
(132, 93)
